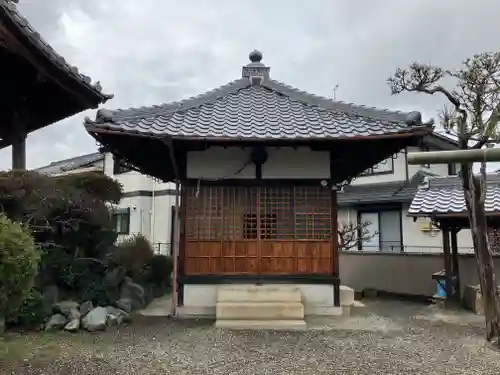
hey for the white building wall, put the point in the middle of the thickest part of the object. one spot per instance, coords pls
(283, 162)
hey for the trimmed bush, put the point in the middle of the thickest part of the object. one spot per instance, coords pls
(19, 260)
(31, 313)
(134, 254)
(160, 269)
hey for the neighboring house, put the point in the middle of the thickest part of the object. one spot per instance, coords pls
(382, 195)
(146, 207)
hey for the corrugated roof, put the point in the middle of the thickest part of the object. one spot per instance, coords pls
(246, 109)
(9, 9)
(445, 196)
(70, 164)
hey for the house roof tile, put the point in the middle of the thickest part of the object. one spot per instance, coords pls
(265, 110)
(445, 195)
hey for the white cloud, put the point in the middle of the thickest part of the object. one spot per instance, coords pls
(154, 51)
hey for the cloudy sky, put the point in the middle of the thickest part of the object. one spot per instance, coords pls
(153, 51)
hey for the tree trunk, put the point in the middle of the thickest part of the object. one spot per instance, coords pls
(474, 193)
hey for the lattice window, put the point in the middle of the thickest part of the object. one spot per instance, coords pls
(264, 213)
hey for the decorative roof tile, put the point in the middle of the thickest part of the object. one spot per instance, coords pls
(445, 196)
(8, 9)
(255, 107)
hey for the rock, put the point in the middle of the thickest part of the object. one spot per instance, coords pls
(86, 307)
(67, 308)
(118, 315)
(73, 325)
(124, 304)
(133, 292)
(96, 319)
(56, 321)
(473, 299)
(114, 277)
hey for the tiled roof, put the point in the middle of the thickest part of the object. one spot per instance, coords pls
(445, 196)
(71, 164)
(256, 108)
(383, 192)
(8, 9)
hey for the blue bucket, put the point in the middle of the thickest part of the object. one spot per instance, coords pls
(440, 290)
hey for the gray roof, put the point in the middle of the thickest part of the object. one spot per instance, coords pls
(8, 9)
(383, 192)
(253, 109)
(445, 196)
(71, 164)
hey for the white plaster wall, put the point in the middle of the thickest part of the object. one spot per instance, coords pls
(286, 162)
(282, 162)
(131, 181)
(399, 173)
(219, 162)
(203, 296)
(140, 208)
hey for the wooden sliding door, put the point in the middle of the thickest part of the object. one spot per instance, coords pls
(258, 231)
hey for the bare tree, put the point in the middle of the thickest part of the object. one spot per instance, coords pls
(351, 234)
(472, 114)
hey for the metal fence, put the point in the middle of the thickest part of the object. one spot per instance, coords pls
(408, 249)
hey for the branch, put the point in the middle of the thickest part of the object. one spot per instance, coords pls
(352, 235)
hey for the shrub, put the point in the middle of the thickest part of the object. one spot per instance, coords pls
(133, 254)
(31, 313)
(19, 260)
(160, 268)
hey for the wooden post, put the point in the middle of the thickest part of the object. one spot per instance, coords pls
(455, 263)
(175, 251)
(19, 149)
(335, 245)
(447, 260)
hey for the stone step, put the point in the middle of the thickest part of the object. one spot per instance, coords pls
(276, 325)
(260, 310)
(346, 296)
(259, 293)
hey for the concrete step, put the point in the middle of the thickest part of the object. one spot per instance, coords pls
(259, 293)
(346, 296)
(276, 325)
(260, 311)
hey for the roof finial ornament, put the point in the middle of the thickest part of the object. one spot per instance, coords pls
(256, 72)
(255, 56)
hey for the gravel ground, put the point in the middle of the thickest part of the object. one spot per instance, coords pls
(388, 337)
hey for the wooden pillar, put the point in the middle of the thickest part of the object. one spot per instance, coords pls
(19, 150)
(335, 245)
(447, 259)
(455, 263)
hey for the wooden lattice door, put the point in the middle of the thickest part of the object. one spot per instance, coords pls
(258, 231)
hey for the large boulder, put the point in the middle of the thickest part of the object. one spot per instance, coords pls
(86, 307)
(473, 298)
(96, 319)
(124, 304)
(117, 315)
(56, 321)
(73, 325)
(68, 308)
(133, 292)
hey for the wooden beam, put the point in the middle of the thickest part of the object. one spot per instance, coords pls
(459, 156)
(455, 263)
(447, 260)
